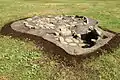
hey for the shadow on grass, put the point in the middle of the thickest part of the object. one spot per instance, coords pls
(54, 52)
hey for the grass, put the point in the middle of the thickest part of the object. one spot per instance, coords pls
(22, 60)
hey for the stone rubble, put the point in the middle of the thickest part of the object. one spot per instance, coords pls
(67, 30)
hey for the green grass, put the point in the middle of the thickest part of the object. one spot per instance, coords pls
(21, 60)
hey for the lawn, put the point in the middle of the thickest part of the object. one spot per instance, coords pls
(22, 60)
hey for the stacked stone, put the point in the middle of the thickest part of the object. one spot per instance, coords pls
(67, 29)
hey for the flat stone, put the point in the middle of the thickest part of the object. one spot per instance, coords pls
(72, 44)
(91, 27)
(29, 19)
(29, 26)
(67, 25)
(64, 43)
(74, 23)
(68, 40)
(65, 32)
(99, 33)
(61, 39)
(75, 40)
(93, 40)
(79, 35)
(51, 25)
(58, 17)
(56, 33)
(81, 45)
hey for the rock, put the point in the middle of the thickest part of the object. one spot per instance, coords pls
(29, 26)
(93, 40)
(47, 27)
(73, 17)
(91, 27)
(41, 26)
(48, 19)
(79, 36)
(61, 39)
(37, 24)
(29, 19)
(64, 43)
(81, 41)
(68, 40)
(88, 31)
(98, 32)
(64, 31)
(74, 23)
(67, 25)
(81, 45)
(56, 38)
(85, 23)
(72, 44)
(35, 17)
(58, 18)
(81, 24)
(51, 25)
(75, 40)
(56, 33)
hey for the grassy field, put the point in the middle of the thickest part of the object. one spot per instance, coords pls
(21, 59)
